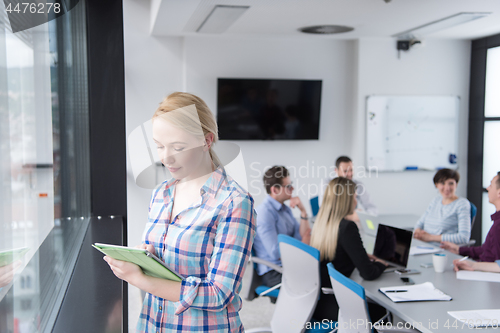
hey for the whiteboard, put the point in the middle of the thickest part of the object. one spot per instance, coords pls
(412, 132)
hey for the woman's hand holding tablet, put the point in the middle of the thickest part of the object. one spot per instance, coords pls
(130, 264)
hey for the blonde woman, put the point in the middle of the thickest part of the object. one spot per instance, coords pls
(339, 242)
(201, 223)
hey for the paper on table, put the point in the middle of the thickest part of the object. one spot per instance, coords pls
(478, 276)
(478, 318)
(419, 292)
(416, 250)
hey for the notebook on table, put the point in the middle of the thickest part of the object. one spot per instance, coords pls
(478, 318)
(393, 245)
(478, 276)
(419, 292)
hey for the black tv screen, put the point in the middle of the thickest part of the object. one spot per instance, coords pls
(263, 109)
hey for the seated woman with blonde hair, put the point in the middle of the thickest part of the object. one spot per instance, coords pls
(339, 242)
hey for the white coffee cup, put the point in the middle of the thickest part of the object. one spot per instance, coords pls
(439, 261)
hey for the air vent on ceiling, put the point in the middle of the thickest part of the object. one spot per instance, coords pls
(221, 18)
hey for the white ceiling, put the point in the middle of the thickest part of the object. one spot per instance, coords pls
(370, 18)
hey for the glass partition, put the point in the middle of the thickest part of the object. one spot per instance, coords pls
(44, 166)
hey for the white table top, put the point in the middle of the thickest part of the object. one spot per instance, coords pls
(433, 316)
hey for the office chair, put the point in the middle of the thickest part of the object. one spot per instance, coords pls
(255, 288)
(299, 292)
(353, 307)
(473, 213)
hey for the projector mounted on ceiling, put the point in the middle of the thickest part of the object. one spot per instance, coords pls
(439, 25)
(408, 38)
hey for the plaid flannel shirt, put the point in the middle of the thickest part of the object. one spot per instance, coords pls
(208, 244)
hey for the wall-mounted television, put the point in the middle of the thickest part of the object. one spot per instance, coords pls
(268, 109)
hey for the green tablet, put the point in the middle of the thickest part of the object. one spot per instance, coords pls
(9, 256)
(150, 264)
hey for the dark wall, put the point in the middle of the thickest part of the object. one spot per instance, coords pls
(106, 71)
(107, 107)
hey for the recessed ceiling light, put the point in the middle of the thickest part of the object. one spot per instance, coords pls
(326, 29)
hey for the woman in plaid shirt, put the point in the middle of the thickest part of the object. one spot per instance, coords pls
(201, 223)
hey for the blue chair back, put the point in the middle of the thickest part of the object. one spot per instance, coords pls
(473, 213)
(255, 286)
(295, 242)
(300, 286)
(354, 286)
(351, 299)
(314, 205)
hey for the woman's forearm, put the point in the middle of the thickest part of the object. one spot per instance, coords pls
(426, 237)
(434, 238)
(166, 289)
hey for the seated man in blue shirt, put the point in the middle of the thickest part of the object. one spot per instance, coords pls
(274, 218)
(345, 168)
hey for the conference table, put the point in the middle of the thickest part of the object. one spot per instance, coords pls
(432, 316)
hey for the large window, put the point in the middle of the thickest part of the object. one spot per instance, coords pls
(44, 166)
(492, 97)
(491, 157)
(484, 128)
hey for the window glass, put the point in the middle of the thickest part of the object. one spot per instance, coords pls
(491, 165)
(30, 136)
(491, 155)
(44, 166)
(492, 97)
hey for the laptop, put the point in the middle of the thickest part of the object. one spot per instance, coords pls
(393, 245)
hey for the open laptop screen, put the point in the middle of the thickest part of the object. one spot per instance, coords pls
(393, 245)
